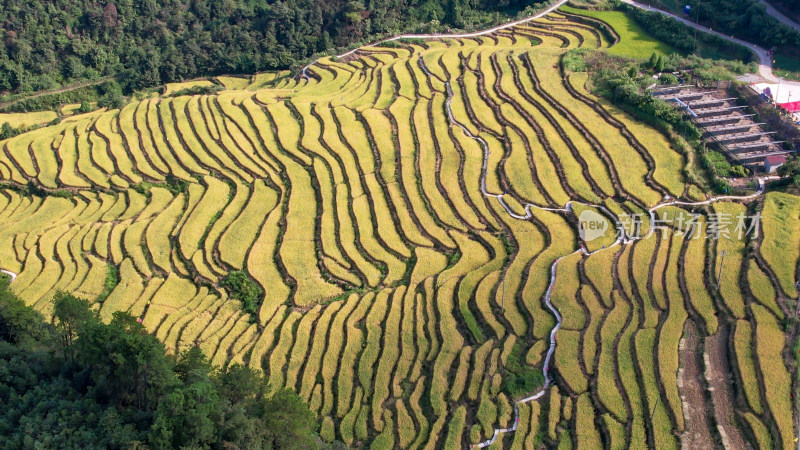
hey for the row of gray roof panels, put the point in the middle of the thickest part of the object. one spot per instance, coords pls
(726, 123)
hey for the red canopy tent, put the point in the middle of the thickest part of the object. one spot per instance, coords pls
(790, 106)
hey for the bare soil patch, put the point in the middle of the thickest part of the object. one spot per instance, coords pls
(690, 386)
(719, 377)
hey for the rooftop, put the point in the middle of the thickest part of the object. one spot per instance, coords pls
(773, 160)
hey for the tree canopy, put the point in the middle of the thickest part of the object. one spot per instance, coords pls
(790, 170)
(746, 19)
(146, 42)
(78, 382)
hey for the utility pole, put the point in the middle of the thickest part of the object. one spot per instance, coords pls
(721, 262)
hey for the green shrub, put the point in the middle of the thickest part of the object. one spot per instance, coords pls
(84, 108)
(172, 183)
(112, 280)
(389, 44)
(574, 61)
(197, 90)
(667, 78)
(739, 171)
(7, 131)
(243, 288)
(520, 379)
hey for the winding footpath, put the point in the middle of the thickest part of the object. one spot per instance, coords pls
(765, 69)
(9, 273)
(551, 8)
(621, 240)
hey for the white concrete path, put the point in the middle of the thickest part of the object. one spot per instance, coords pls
(9, 273)
(550, 9)
(623, 239)
(765, 70)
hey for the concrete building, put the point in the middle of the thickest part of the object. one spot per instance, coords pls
(771, 163)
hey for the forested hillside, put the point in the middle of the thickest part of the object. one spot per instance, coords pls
(148, 42)
(747, 20)
(79, 382)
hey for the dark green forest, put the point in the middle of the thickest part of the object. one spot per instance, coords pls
(76, 382)
(51, 43)
(745, 19)
(748, 20)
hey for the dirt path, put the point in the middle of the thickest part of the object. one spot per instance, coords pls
(690, 385)
(718, 376)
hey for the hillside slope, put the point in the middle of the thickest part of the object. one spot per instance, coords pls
(402, 210)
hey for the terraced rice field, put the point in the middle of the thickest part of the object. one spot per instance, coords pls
(402, 209)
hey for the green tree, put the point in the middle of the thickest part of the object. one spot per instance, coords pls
(651, 64)
(286, 420)
(790, 170)
(127, 363)
(146, 42)
(192, 365)
(71, 315)
(84, 108)
(121, 389)
(659, 67)
(452, 13)
(186, 418)
(7, 131)
(18, 323)
(324, 42)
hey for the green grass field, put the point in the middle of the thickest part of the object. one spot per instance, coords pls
(633, 40)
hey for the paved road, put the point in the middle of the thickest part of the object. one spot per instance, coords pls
(779, 15)
(552, 7)
(764, 60)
